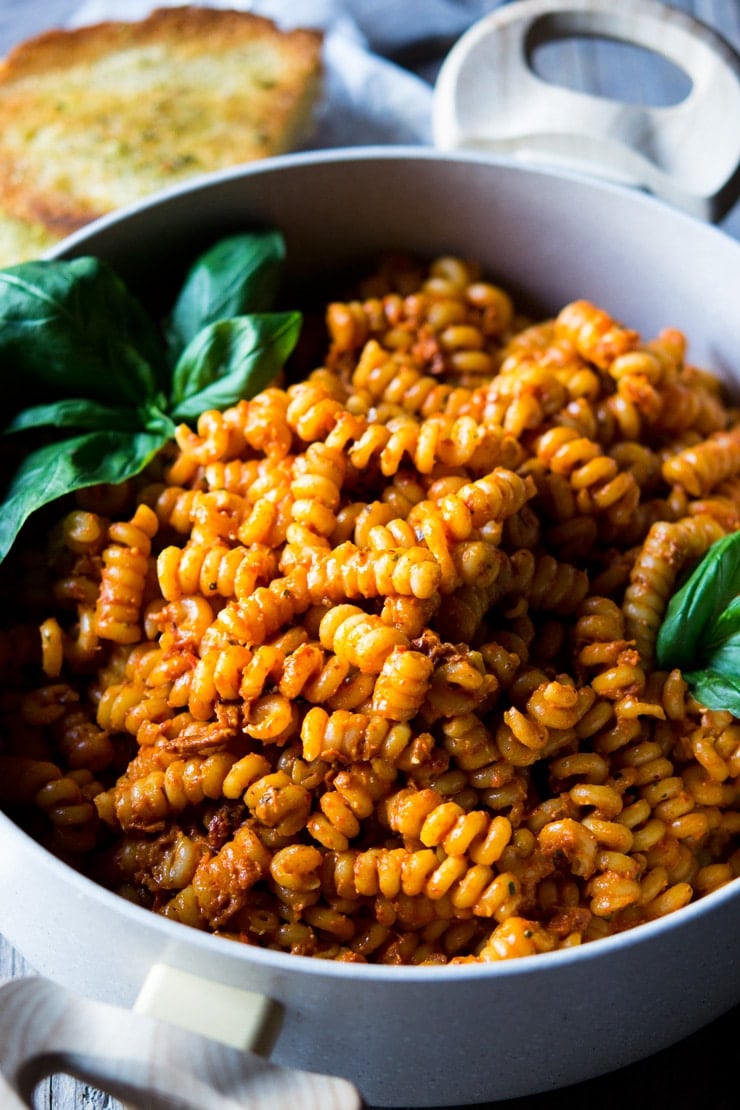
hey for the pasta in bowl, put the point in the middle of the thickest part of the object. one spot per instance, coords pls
(364, 667)
(401, 988)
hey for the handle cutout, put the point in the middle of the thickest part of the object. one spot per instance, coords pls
(599, 65)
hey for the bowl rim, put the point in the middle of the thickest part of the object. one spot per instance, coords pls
(360, 154)
(285, 962)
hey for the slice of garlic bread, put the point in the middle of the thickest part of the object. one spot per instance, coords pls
(21, 240)
(94, 118)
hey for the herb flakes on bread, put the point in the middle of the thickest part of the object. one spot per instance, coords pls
(95, 118)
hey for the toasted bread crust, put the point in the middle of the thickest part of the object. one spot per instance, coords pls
(95, 118)
(188, 30)
(21, 240)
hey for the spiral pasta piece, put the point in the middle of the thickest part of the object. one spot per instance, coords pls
(597, 482)
(144, 803)
(123, 578)
(390, 379)
(252, 619)
(213, 570)
(221, 883)
(66, 801)
(594, 333)
(401, 686)
(445, 440)
(702, 467)
(360, 638)
(311, 411)
(342, 736)
(315, 496)
(653, 576)
(351, 572)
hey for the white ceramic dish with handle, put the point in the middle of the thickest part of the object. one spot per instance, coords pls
(402, 1036)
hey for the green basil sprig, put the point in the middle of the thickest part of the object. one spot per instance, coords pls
(701, 630)
(72, 333)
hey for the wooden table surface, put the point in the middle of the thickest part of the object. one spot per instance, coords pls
(701, 1071)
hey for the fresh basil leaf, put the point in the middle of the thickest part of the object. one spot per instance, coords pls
(715, 691)
(71, 333)
(697, 605)
(61, 468)
(75, 413)
(727, 624)
(723, 641)
(230, 360)
(240, 274)
(152, 419)
(726, 657)
(74, 327)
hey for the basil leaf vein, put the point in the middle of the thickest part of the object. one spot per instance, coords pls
(74, 327)
(75, 413)
(701, 630)
(698, 604)
(232, 359)
(239, 274)
(715, 690)
(60, 468)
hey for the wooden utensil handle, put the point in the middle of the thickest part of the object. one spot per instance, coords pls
(145, 1063)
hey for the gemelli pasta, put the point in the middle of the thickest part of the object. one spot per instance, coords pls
(364, 668)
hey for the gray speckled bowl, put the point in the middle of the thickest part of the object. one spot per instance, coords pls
(426, 1036)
